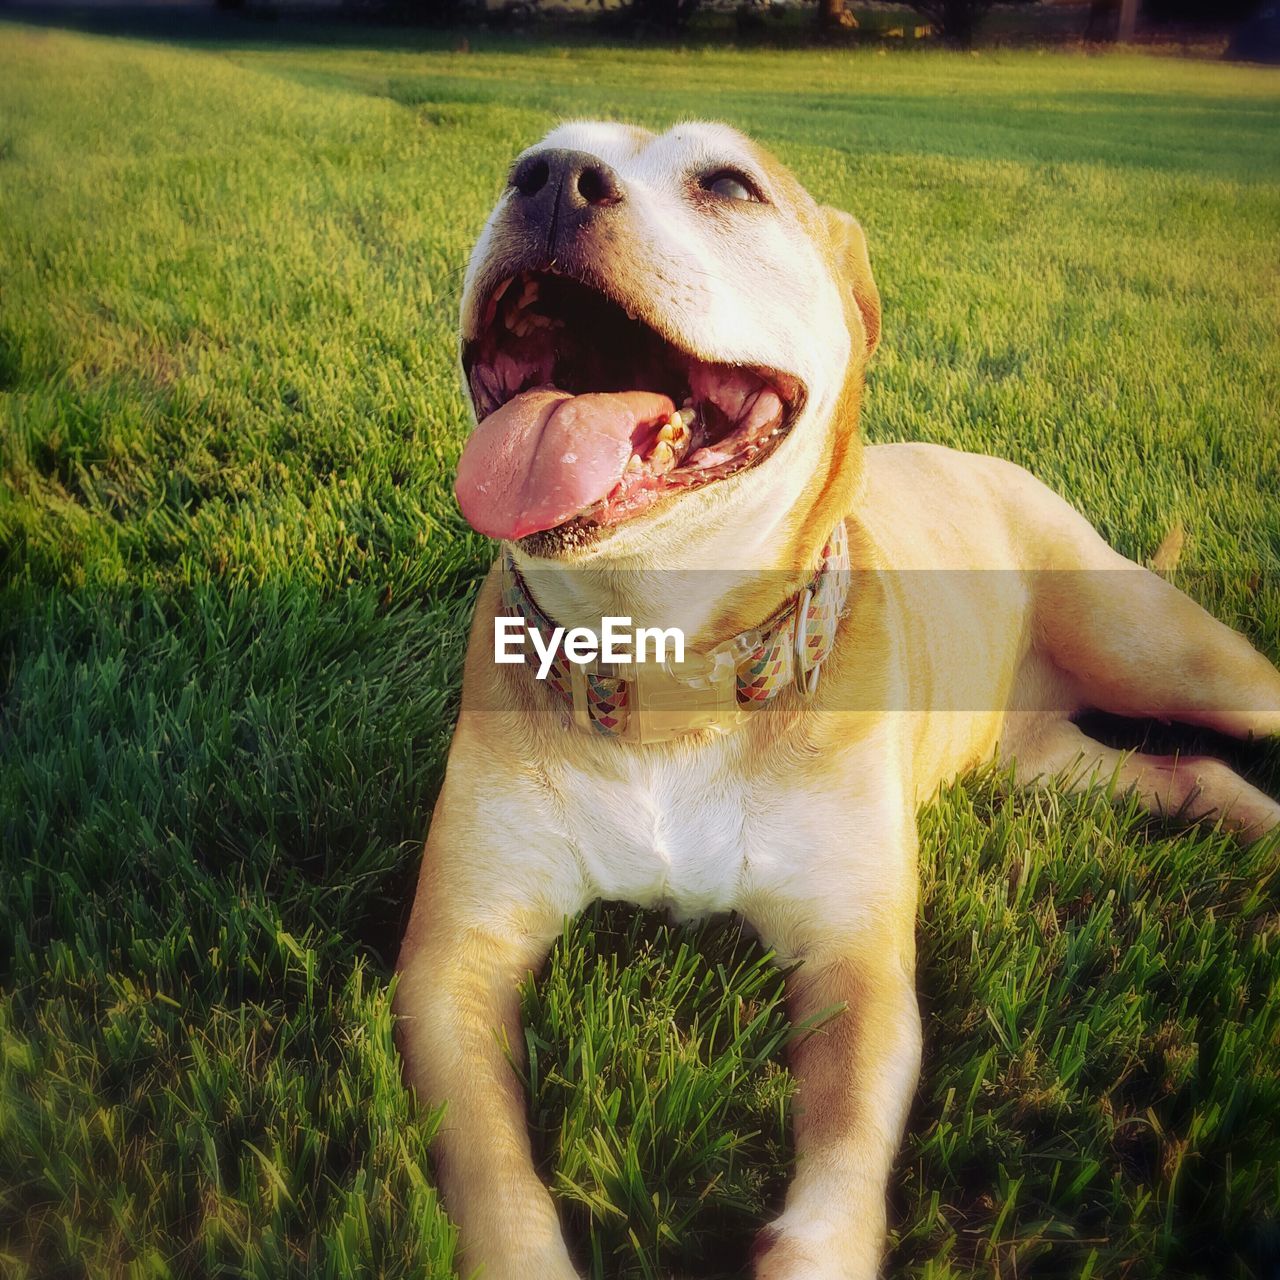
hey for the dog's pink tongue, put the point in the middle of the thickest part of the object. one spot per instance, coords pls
(547, 455)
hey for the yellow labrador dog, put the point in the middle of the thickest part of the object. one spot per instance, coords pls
(664, 339)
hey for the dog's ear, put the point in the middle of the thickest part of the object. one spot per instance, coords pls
(853, 266)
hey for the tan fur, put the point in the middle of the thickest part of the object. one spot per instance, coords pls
(985, 614)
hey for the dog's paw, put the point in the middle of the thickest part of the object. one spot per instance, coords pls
(551, 1263)
(790, 1250)
(537, 1269)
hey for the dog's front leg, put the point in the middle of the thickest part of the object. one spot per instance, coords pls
(856, 1074)
(483, 917)
(459, 1010)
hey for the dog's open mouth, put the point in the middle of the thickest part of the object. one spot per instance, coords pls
(589, 416)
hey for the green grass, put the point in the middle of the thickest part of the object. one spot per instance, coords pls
(234, 593)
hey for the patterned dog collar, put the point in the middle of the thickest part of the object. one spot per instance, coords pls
(658, 701)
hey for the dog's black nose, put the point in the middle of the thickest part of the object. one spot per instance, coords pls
(560, 194)
(566, 180)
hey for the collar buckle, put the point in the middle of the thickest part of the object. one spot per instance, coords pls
(671, 699)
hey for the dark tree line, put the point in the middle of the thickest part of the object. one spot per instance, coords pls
(956, 22)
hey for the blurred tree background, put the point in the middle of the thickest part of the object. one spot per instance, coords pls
(959, 23)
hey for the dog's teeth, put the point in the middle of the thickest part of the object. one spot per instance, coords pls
(673, 430)
(635, 462)
(663, 456)
(501, 291)
(676, 432)
(529, 294)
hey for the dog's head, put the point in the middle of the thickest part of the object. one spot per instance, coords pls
(623, 276)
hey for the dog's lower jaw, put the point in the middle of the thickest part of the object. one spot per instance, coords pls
(564, 541)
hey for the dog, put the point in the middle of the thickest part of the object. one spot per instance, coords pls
(665, 338)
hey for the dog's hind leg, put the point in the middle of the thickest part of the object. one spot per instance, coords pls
(1188, 788)
(1135, 645)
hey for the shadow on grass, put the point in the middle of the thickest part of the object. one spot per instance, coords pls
(174, 748)
(1256, 762)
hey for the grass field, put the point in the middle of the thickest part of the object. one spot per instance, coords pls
(234, 592)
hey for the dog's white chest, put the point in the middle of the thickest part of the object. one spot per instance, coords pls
(656, 834)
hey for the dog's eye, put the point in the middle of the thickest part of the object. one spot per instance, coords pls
(728, 184)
